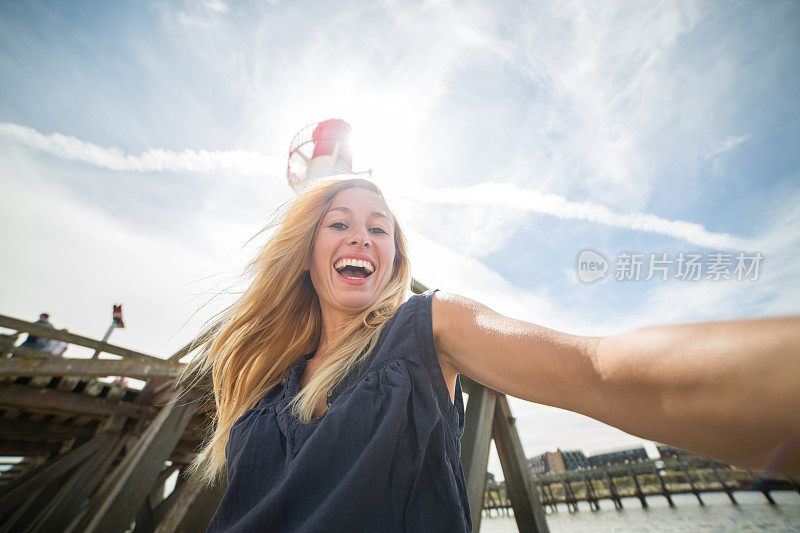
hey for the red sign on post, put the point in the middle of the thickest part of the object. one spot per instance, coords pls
(117, 316)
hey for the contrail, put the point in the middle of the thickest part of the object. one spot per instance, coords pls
(510, 196)
(241, 162)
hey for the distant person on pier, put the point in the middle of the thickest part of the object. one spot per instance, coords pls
(339, 404)
(38, 343)
(56, 347)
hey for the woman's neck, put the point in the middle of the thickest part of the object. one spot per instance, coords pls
(332, 324)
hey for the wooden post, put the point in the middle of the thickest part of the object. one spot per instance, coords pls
(115, 509)
(528, 511)
(569, 496)
(725, 487)
(689, 477)
(761, 486)
(612, 490)
(475, 446)
(551, 499)
(638, 488)
(664, 490)
(594, 505)
(193, 508)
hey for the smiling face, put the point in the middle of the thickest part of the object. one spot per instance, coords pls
(352, 258)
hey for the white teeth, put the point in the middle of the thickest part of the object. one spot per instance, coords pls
(366, 265)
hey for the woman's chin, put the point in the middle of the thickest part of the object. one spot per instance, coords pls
(355, 297)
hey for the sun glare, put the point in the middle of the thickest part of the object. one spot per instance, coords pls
(384, 143)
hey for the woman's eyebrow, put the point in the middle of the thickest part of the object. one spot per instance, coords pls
(380, 214)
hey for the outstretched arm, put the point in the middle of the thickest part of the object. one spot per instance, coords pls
(729, 390)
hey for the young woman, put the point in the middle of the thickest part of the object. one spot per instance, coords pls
(339, 403)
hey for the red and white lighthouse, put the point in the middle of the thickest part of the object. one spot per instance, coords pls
(318, 150)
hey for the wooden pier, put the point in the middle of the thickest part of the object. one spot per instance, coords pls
(93, 456)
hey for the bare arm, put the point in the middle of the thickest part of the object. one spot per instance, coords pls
(724, 389)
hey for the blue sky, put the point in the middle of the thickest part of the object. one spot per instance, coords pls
(142, 144)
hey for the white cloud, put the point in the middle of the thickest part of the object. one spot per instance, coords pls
(74, 261)
(730, 143)
(70, 148)
(600, 76)
(775, 292)
(216, 5)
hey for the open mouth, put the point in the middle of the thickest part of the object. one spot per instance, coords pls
(354, 268)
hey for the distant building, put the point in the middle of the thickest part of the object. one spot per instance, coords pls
(619, 457)
(574, 460)
(557, 461)
(538, 464)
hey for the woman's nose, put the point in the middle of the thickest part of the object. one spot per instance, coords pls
(360, 236)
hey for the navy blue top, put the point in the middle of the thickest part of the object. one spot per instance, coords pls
(385, 455)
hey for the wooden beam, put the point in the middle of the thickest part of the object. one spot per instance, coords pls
(157, 492)
(48, 472)
(197, 341)
(9, 520)
(135, 368)
(145, 522)
(475, 448)
(55, 401)
(29, 351)
(16, 429)
(16, 448)
(521, 490)
(417, 287)
(192, 509)
(39, 330)
(115, 508)
(67, 502)
(468, 385)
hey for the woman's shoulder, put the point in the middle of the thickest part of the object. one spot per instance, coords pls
(414, 303)
(405, 333)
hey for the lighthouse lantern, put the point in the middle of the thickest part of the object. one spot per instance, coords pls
(318, 150)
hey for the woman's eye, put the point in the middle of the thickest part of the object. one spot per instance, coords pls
(338, 225)
(379, 230)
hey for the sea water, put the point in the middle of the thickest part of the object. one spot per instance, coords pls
(752, 514)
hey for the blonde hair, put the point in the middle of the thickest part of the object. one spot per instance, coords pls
(277, 320)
